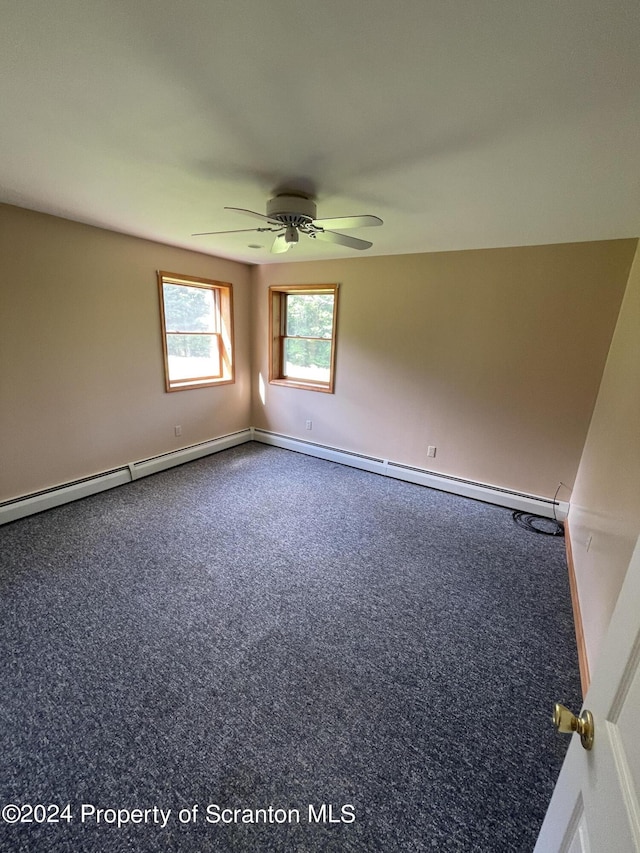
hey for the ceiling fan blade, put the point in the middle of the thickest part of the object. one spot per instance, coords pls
(235, 231)
(280, 244)
(343, 239)
(253, 213)
(348, 222)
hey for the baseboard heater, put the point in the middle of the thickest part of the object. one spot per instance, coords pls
(58, 495)
(456, 485)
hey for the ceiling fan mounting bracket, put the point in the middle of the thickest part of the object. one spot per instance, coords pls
(291, 210)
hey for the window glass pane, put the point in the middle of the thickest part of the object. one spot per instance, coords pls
(193, 356)
(310, 314)
(189, 309)
(308, 360)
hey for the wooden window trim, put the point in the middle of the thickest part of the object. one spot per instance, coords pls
(277, 301)
(223, 295)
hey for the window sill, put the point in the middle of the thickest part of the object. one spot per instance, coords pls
(192, 385)
(305, 386)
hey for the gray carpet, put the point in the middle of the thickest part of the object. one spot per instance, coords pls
(262, 629)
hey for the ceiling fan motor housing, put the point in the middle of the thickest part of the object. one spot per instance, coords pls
(291, 210)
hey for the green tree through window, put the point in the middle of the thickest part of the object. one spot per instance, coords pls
(196, 316)
(303, 321)
(307, 340)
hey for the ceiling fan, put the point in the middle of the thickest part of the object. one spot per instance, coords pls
(290, 215)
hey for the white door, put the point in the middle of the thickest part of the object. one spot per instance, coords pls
(595, 805)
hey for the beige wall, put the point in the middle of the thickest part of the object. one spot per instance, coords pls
(81, 378)
(605, 504)
(494, 356)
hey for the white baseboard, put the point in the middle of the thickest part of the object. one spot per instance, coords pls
(188, 454)
(38, 502)
(58, 495)
(67, 492)
(466, 488)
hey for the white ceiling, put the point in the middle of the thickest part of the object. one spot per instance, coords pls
(462, 123)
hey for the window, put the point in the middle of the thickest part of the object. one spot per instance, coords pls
(303, 335)
(197, 331)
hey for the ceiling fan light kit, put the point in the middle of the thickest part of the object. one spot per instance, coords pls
(290, 215)
(291, 234)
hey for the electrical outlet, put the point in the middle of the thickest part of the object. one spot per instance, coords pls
(431, 450)
(177, 430)
(309, 424)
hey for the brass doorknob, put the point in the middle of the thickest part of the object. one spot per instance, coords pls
(567, 723)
